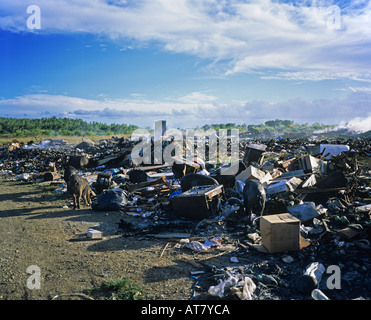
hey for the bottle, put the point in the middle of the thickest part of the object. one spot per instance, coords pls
(311, 278)
(316, 271)
(266, 279)
(319, 295)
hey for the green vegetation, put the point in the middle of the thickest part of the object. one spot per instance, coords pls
(14, 127)
(53, 127)
(270, 127)
(118, 289)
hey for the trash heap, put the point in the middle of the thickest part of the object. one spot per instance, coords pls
(312, 240)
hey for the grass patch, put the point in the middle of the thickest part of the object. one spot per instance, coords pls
(69, 139)
(118, 289)
(46, 189)
(48, 192)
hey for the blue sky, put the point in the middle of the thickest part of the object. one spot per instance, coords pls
(190, 62)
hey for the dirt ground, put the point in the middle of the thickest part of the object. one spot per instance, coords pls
(36, 228)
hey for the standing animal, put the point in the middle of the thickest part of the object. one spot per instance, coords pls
(79, 188)
(194, 179)
(254, 198)
(87, 193)
(70, 170)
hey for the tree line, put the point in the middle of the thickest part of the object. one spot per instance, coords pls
(53, 126)
(24, 127)
(272, 127)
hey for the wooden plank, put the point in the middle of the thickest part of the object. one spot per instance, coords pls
(317, 190)
(156, 167)
(159, 181)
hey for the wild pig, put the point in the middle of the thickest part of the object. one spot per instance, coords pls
(254, 198)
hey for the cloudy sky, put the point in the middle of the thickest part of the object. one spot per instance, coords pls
(190, 62)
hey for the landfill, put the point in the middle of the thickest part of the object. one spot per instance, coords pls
(312, 240)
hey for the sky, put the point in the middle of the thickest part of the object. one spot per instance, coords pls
(189, 62)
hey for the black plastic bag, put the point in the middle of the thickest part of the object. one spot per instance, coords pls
(111, 200)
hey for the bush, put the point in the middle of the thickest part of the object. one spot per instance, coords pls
(59, 126)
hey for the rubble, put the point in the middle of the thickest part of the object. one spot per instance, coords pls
(318, 202)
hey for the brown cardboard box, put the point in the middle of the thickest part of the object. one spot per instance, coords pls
(254, 173)
(280, 232)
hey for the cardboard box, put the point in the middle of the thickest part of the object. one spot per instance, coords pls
(278, 187)
(252, 172)
(312, 164)
(283, 186)
(94, 234)
(280, 232)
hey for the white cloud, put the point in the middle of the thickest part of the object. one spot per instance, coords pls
(295, 38)
(197, 97)
(318, 75)
(136, 110)
(142, 112)
(360, 89)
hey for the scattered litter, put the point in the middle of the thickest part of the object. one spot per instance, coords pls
(94, 234)
(287, 259)
(221, 289)
(234, 259)
(198, 246)
(317, 207)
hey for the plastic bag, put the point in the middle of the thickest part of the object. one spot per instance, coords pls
(112, 200)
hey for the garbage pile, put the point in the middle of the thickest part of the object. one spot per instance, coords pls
(30, 161)
(292, 222)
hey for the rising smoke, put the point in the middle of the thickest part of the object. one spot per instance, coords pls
(358, 125)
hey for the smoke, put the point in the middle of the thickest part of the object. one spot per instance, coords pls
(358, 125)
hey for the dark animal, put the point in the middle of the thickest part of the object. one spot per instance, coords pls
(79, 188)
(194, 179)
(254, 198)
(78, 162)
(68, 173)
